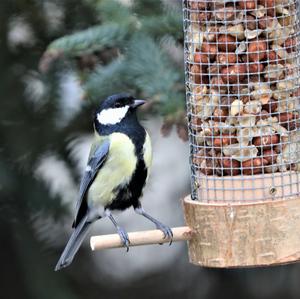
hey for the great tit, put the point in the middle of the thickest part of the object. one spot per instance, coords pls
(116, 172)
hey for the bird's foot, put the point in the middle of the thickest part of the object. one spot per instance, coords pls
(121, 231)
(168, 234)
(124, 237)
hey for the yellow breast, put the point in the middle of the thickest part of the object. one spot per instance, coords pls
(117, 170)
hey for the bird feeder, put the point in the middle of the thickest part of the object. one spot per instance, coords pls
(242, 91)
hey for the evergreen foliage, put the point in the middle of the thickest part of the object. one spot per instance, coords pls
(111, 47)
(126, 52)
(88, 41)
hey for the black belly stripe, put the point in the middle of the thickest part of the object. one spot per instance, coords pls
(129, 195)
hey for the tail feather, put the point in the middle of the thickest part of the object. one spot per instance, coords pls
(74, 243)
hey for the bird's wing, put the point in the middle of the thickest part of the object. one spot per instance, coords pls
(97, 158)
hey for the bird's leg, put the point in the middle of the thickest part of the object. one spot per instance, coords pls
(121, 231)
(164, 228)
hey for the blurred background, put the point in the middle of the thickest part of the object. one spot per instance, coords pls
(59, 59)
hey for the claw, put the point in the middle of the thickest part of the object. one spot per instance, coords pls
(124, 237)
(168, 234)
(121, 231)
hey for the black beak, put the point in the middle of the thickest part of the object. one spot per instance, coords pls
(137, 103)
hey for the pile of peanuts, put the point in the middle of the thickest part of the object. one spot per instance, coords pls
(243, 80)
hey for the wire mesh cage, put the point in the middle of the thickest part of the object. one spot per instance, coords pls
(242, 88)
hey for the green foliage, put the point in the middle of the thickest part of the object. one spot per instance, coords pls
(149, 68)
(109, 76)
(90, 40)
(28, 130)
(159, 26)
(147, 7)
(112, 11)
(140, 62)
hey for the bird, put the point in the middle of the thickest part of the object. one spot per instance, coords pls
(117, 170)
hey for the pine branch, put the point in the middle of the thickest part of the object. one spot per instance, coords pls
(147, 7)
(106, 80)
(87, 41)
(159, 26)
(114, 11)
(149, 68)
(169, 22)
(93, 39)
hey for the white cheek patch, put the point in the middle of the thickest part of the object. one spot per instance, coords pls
(112, 116)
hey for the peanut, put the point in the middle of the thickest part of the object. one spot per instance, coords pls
(196, 71)
(285, 117)
(220, 114)
(270, 5)
(226, 58)
(233, 74)
(224, 13)
(269, 155)
(265, 141)
(202, 16)
(227, 100)
(209, 49)
(255, 68)
(236, 108)
(296, 93)
(212, 34)
(218, 85)
(198, 5)
(217, 82)
(271, 106)
(267, 3)
(245, 99)
(206, 166)
(263, 115)
(253, 166)
(231, 166)
(227, 43)
(257, 50)
(213, 69)
(195, 123)
(289, 120)
(247, 4)
(273, 58)
(250, 22)
(266, 22)
(201, 58)
(290, 45)
(223, 141)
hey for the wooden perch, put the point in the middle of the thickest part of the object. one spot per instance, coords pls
(229, 235)
(140, 238)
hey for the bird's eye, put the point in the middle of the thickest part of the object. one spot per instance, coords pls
(117, 105)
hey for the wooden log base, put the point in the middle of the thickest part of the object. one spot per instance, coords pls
(232, 235)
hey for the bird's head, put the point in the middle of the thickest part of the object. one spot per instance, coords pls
(116, 108)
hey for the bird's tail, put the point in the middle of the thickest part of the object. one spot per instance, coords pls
(74, 243)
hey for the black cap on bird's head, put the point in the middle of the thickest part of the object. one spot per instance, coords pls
(116, 108)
